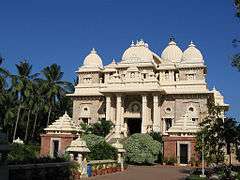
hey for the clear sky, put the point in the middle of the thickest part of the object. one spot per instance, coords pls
(63, 32)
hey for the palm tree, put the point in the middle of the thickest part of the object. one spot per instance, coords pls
(54, 86)
(39, 102)
(29, 104)
(3, 75)
(20, 83)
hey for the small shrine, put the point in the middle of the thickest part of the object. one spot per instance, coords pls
(78, 150)
(58, 136)
(121, 152)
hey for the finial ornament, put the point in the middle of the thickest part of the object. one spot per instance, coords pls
(171, 38)
(191, 44)
(93, 51)
(132, 44)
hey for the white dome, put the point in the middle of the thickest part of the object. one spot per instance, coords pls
(172, 52)
(93, 59)
(192, 54)
(138, 52)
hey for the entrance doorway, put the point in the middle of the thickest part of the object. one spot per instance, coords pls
(134, 125)
(183, 153)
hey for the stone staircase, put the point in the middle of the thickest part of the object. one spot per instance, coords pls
(112, 137)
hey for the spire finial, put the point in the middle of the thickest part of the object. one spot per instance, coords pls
(191, 44)
(93, 51)
(171, 38)
(141, 42)
(132, 44)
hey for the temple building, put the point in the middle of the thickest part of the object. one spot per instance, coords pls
(145, 91)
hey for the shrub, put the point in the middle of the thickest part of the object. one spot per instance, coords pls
(158, 137)
(170, 161)
(102, 151)
(99, 148)
(142, 149)
(22, 152)
(102, 128)
(92, 139)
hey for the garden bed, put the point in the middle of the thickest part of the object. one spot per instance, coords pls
(101, 167)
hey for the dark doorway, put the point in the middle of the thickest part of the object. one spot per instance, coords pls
(183, 154)
(55, 148)
(134, 126)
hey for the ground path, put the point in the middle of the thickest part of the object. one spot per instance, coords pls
(147, 173)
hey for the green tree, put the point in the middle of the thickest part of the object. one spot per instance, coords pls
(102, 128)
(230, 135)
(219, 134)
(39, 101)
(212, 133)
(21, 87)
(55, 87)
(236, 57)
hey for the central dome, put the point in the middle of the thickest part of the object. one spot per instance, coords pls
(138, 52)
(172, 52)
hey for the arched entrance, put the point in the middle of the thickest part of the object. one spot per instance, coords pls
(134, 125)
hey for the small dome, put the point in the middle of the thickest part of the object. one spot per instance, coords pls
(172, 52)
(192, 54)
(138, 52)
(93, 59)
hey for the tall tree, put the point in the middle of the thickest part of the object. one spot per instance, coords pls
(21, 84)
(54, 86)
(38, 104)
(230, 135)
(236, 57)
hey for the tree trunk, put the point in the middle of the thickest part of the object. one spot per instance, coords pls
(16, 123)
(49, 114)
(34, 124)
(28, 120)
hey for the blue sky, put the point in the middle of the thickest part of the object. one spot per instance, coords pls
(63, 32)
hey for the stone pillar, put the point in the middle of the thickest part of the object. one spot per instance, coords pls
(144, 114)
(156, 114)
(118, 113)
(113, 110)
(122, 114)
(108, 108)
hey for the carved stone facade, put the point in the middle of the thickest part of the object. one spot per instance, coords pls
(144, 92)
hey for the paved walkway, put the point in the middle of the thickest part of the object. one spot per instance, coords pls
(147, 173)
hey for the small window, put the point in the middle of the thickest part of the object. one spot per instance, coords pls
(191, 109)
(168, 123)
(85, 120)
(194, 119)
(168, 109)
(144, 76)
(85, 109)
(191, 77)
